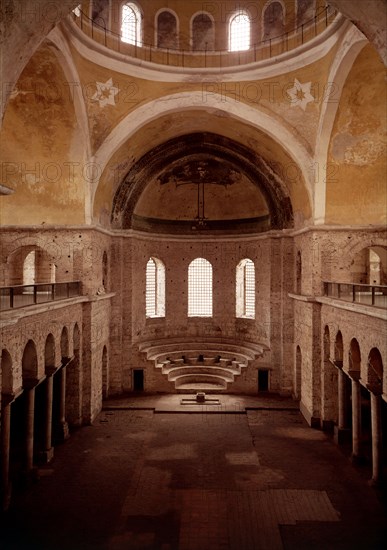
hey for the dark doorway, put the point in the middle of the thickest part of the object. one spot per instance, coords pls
(263, 380)
(138, 379)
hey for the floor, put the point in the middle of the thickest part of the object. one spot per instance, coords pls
(151, 473)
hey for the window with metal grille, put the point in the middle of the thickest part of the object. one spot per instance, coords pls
(200, 288)
(155, 288)
(239, 32)
(131, 31)
(245, 289)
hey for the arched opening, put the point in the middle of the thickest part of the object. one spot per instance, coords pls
(239, 32)
(245, 289)
(203, 32)
(273, 21)
(369, 266)
(354, 356)
(200, 288)
(339, 353)
(49, 353)
(105, 374)
(29, 268)
(166, 26)
(155, 288)
(30, 362)
(297, 374)
(305, 11)
(131, 24)
(6, 373)
(64, 345)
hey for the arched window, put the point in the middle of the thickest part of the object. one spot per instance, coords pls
(200, 288)
(167, 30)
(239, 32)
(273, 20)
(245, 289)
(29, 268)
(305, 11)
(131, 31)
(155, 288)
(203, 36)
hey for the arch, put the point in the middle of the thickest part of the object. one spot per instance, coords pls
(49, 354)
(351, 45)
(166, 29)
(30, 362)
(305, 11)
(375, 370)
(64, 344)
(105, 373)
(6, 372)
(339, 352)
(176, 103)
(245, 289)
(29, 268)
(200, 288)
(155, 288)
(239, 30)
(369, 265)
(354, 356)
(297, 374)
(131, 24)
(273, 19)
(202, 27)
(244, 160)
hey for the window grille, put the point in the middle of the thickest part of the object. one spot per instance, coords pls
(155, 288)
(245, 289)
(131, 25)
(239, 32)
(200, 288)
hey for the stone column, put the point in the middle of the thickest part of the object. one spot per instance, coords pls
(63, 429)
(376, 430)
(29, 441)
(342, 420)
(48, 452)
(5, 447)
(356, 426)
(341, 431)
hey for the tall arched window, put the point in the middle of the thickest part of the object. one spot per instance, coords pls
(155, 288)
(200, 288)
(167, 36)
(239, 32)
(203, 36)
(131, 31)
(29, 268)
(245, 289)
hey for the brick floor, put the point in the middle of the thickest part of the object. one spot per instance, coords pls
(229, 479)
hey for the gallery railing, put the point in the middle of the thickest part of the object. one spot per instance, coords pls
(371, 295)
(206, 58)
(27, 295)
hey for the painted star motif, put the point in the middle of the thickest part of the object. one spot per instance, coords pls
(300, 94)
(105, 93)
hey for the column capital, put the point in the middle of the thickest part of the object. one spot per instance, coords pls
(376, 389)
(354, 375)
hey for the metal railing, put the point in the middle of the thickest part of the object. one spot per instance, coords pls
(27, 295)
(207, 58)
(371, 295)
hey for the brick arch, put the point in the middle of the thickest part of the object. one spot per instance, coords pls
(64, 343)
(49, 353)
(6, 372)
(30, 362)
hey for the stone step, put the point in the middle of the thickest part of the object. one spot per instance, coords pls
(175, 372)
(200, 381)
